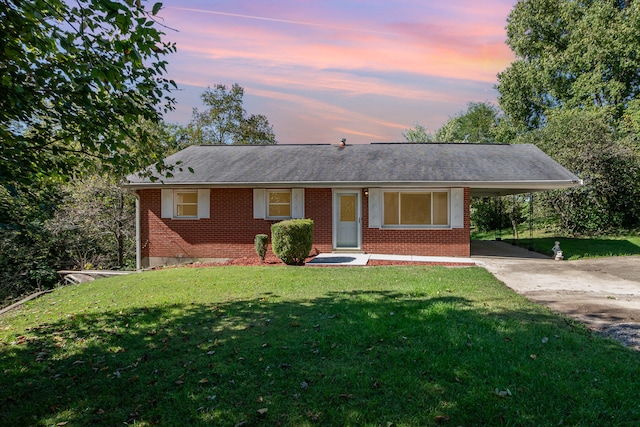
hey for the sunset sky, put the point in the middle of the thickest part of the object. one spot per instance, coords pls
(331, 69)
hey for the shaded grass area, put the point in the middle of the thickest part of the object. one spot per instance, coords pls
(400, 346)
(572, 247)
(576, 248)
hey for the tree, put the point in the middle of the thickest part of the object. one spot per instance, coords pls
(572, 91)
(96, 223)
(570, 55)
(584, 142)
(226, 121)
(477, 124)
(418, 133)
(75, 80)
(29, 254)
(498, 213)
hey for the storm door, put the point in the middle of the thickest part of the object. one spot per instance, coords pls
(346, 219)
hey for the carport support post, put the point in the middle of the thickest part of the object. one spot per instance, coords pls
(531, 221)
(497, 201)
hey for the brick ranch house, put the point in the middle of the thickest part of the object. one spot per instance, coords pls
(404, 199)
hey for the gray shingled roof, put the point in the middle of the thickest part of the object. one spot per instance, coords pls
(486, 168)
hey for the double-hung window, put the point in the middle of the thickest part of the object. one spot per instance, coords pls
(416, 209)
(279, 203)
(186, 204)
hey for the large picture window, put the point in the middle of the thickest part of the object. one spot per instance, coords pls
(416, 208)
(279, 203)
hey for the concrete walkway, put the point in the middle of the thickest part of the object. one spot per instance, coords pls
(355, 259)
(601, 292)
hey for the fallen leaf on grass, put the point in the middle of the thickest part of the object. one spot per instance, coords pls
(262, 411)
(203, 381)
(442, 418)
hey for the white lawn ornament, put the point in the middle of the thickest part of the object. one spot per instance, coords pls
(557, 252)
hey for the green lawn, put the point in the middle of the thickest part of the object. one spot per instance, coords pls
(584, 247)
(572, 247)
(292, 346)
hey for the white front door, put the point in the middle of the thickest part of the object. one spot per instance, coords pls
(346, 219)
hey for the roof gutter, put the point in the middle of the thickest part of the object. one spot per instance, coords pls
(510, 185)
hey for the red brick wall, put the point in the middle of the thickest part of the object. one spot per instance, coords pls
(317, 206)
(231, 229)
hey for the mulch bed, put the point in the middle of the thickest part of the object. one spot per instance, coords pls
(272, 260)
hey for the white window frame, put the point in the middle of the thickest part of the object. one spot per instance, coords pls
(169, 203)
(416, 226)
(261, 203)
(176, 197)
(267, 204)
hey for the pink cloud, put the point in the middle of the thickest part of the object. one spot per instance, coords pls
(341, 63)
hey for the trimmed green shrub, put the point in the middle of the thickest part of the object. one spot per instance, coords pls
(291, 240)
(261, 245)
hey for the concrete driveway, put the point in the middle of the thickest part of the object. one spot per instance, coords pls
(603, 293)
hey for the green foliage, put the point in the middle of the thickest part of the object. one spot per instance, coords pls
(411, 346)
(29, 254)
(76, 79)
(572, 91)
(584, 142)
(630, 123)
(291, 240)
(570, 55)
(584, 247)
(226, 122)
(477, 124)
(497, 213)
(95, 223)
(260, 243)
(48, 226)
(418, 134)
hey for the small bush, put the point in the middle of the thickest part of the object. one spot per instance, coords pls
(291, 240)
(261, 245)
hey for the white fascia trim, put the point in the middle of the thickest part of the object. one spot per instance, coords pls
(512, 185)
